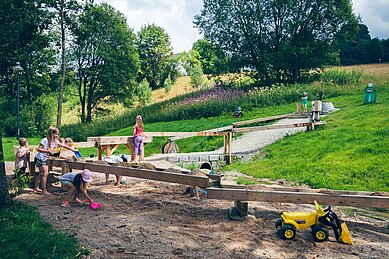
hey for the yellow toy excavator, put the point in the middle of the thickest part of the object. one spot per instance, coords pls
(319, 221)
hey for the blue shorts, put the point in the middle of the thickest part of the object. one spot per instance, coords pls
(40, 162)
(65, 182)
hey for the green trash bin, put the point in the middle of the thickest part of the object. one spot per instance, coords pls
(370, 95)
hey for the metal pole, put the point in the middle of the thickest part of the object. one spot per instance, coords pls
(18, 106)
(17, 69)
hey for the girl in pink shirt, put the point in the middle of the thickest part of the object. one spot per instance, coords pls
(138, 138)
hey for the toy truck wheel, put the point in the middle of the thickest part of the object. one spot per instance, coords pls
(287, 232)
(278, 224)
(319, 233)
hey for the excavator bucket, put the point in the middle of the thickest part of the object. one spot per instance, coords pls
(345, 237)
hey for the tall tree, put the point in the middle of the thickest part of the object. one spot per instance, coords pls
(105, 58)
(278, 39)
(156, 56)
(212, 58)
(64, 10)
(24, 37)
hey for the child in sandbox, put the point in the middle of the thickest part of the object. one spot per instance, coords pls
(76, 183)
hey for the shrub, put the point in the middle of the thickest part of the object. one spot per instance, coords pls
(341, 77)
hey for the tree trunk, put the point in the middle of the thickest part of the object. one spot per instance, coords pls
(5, 200)
(63, 59)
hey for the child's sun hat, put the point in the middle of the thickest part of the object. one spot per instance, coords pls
(86, 176)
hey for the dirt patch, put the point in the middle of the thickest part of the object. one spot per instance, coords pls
(149, 219)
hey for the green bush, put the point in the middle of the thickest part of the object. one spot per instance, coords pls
(341, 77)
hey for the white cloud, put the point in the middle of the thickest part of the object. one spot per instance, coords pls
(374, 14)
(176, 17)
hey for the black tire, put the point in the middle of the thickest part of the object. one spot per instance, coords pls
(278, 224)
(319, 233)
(170, 147)
(237, 115)
(287, 232)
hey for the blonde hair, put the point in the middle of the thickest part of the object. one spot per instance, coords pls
(139, 122)
(23, 142)
(50, 134)
(69, 140)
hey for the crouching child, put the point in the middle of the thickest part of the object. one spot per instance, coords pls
(76, 183)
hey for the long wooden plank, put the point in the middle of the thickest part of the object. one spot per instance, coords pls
(114, 140)
(184, 134)
(226, 128)
(194, 180)
(294, 189)
(270, 118)
(84, 144)
(283, 126)
(77, 144)
(325, 191)
(298, 197)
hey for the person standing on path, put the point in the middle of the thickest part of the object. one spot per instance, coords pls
(304, 101)
(138, 138)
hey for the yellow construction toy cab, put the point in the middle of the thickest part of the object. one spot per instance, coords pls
(319, 221)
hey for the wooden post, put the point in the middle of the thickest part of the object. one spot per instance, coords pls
(229, 147)
(299, 108)
(100, 153)
(224, 145)
(130, 147)
(107, 150)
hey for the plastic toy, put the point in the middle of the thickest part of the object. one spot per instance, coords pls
(238, 112)
(96, 206)
(77, 153)
(319, 221)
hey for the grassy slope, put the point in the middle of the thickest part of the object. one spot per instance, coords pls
(350, 152)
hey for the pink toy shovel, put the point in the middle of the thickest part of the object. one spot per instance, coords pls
(96, 206)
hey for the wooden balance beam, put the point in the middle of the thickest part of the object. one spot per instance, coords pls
(193, 180)
(354, 199)
(270, 127)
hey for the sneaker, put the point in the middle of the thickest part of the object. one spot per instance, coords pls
(65, 204)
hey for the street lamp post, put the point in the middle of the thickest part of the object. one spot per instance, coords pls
(18, 69)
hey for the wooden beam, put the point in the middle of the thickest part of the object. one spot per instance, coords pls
(285, 126)
(240, 123)
(299, 197)
(226, 128)
(84, 144)
(201, 181)
(324, 191)
(184, 134)
(103, 141)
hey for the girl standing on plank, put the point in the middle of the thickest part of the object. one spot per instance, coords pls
(138, 138)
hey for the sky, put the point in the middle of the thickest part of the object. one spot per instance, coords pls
(176, 17)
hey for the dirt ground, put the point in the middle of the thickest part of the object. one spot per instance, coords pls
(149, 219)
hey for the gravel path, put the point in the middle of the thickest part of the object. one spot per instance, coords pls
(252, 142)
